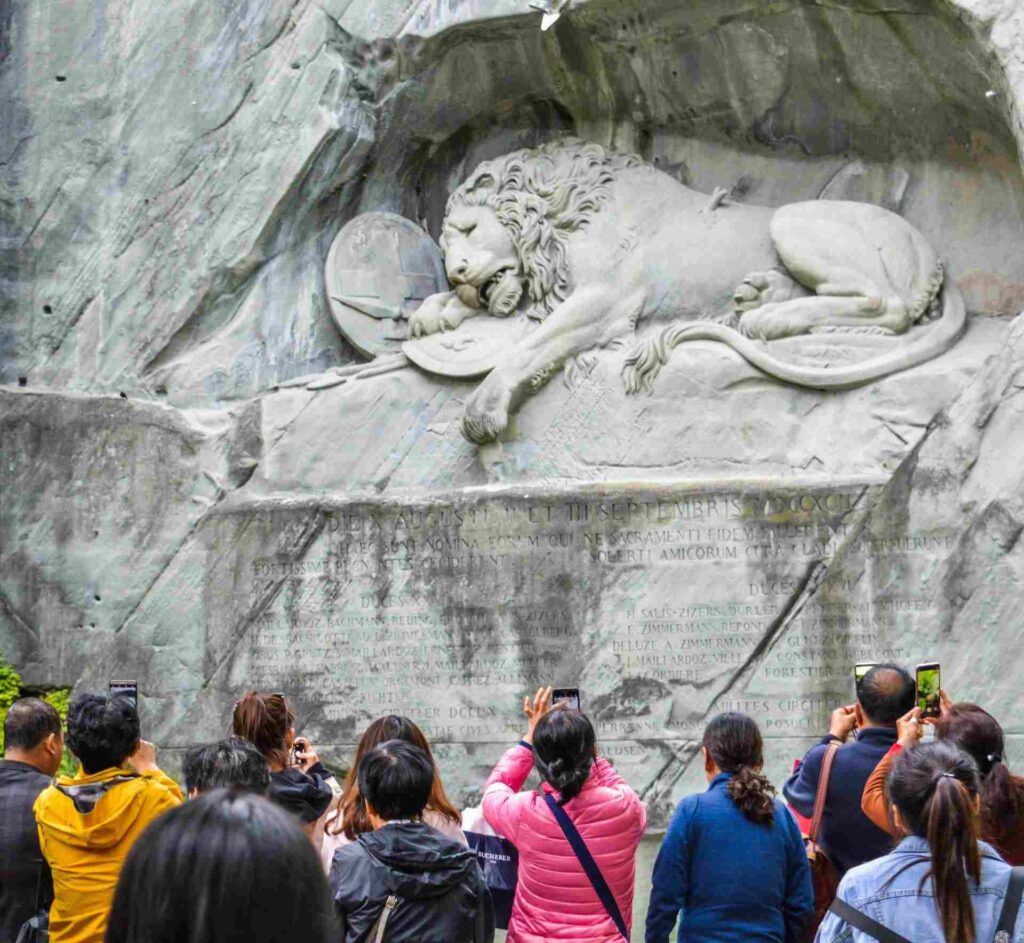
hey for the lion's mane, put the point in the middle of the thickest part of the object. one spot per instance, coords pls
(542, 195)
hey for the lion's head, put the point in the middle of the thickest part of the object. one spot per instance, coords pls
(511, 219)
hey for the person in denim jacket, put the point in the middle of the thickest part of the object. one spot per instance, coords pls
(940, 883)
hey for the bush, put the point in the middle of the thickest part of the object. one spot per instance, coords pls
(11, 689)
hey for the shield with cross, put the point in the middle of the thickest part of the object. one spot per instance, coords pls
(379, 269)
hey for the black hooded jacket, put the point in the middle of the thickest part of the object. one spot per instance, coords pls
(442, 897)
(306, 795)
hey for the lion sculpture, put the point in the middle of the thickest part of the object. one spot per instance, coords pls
(592, 242)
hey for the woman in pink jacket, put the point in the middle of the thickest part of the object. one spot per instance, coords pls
(555, 899)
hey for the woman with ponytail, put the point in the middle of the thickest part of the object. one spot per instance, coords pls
(555, 899)
(299, 782)
(733, 861)
(941, 882)
(978, 734)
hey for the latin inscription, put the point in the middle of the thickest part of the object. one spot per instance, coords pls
(662, 609)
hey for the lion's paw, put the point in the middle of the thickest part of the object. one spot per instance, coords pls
(422, 323)
(441, 312)
(431, 321)
(769, 323)
(762, 288)
(487, 411)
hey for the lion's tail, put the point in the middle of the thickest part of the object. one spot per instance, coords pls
(647, 359)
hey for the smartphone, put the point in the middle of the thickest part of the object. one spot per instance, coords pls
(568, 696)
(928, 687)
(128, 689)
(859, 671)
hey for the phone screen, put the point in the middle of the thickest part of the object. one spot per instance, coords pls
(928, 685)
(128, 689)
(858, 674)
(568, 696)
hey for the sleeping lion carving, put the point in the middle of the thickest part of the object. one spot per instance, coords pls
(590, 242)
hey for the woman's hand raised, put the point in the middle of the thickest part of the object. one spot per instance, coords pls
(909, 729)
(535, 709)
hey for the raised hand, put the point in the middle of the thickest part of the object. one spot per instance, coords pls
(909, 729)
(535, 709)
(305, 754)
(844, 720)
(143, 760)
(945, 708)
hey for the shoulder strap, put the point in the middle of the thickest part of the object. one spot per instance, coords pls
(1011, 906)
(579, 846)
(86, 795)
(824, 775)
(376, 934)
(864, 923)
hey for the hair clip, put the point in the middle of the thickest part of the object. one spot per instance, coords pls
(948, 776)
(994, 758)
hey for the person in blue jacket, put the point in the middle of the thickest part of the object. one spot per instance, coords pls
(733, 862)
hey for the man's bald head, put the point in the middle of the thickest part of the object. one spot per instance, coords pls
(885, 694)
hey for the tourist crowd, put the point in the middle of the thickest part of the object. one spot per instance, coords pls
(883, 835)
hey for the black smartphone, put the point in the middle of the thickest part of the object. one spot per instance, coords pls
(568, 696)
(128, 689)
(929, 686)
(859, 671)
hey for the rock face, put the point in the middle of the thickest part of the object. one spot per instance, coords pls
(172, 179)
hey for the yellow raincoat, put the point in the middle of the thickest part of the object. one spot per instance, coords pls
(85, 849)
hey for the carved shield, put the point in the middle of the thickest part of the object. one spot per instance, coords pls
(379, 269)
(474, 348)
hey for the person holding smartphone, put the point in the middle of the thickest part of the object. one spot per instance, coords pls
(866, 731)
(978, 734)
(298, 780)
(555, 898)
(89, 822)
(940, 882)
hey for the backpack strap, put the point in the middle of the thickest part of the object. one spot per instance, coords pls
(376, 934)
(864, 923)
(597, 881)
(824, 775)
(1011, 906)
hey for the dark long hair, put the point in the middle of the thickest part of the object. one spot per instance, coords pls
(264, 720)
(734, 742)
(978, 733)
(352, 820)
(229, 865)
(934, 787)
(563, 750)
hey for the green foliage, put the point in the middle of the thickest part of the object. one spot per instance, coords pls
(60, 698)
(11, 689)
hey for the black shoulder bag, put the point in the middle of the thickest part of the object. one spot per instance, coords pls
(1004, 929)
(37, 928)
